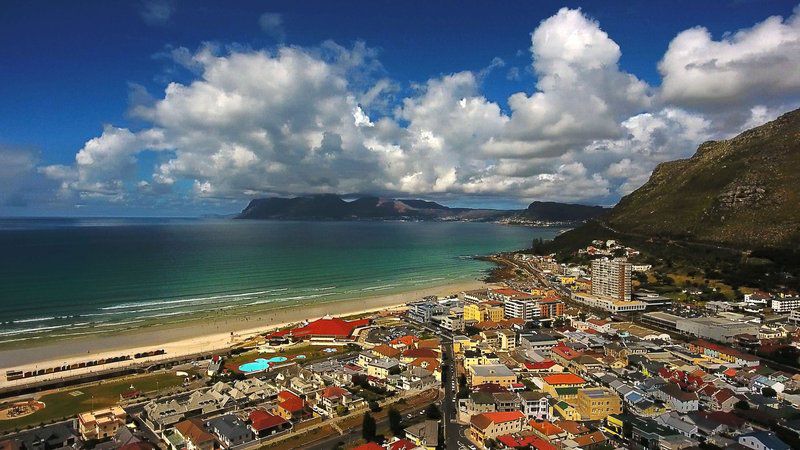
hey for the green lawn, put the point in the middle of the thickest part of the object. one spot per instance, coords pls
(64, 404)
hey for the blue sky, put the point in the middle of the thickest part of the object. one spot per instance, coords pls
(69, 69)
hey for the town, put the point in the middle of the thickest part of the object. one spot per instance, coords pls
(559, 356)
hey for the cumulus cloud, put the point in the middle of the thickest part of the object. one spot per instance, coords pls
(156, 12)
(304, 120)
(272, 24)
(760, 64)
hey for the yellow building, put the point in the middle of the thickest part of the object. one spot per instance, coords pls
(566, 411)
(490, 425)
(491, 374)
(613, 425)
(472, 311)
(597, 403)
(463, 343)
(481, 312)
(478, 358)
(507, 340)
(562, 385)
(102, 423)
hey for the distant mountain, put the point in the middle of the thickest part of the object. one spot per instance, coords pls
(334, 207)
(742, 193)
(562, 212)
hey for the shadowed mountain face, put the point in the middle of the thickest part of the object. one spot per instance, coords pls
(333, 207)
(741, 192)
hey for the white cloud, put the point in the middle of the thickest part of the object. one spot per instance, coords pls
(300, 120)
(156, 12)
(272, 24)
(758, 64)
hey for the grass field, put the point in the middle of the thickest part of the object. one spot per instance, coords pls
(68, 403)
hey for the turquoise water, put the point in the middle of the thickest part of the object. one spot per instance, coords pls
(261, 364)
(73, 277)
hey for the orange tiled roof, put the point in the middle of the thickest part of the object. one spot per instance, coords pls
(563, 378)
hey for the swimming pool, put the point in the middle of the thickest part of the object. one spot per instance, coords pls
(261, 364)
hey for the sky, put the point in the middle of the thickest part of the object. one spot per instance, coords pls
(169, 107)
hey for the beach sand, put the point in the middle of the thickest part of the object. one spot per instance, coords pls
(204, 335)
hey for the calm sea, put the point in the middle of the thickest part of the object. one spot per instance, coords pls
(70, 277)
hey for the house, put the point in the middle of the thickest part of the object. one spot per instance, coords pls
(493, 424)
(547, 430)
(325, 329)
(265, 424)
(49, 437)
(382, 368)
(332, 397)
(672, 420)
(525, 442)
(491, 374)
(597, 403)
(195, 436)
(562, 385)
(230, 430)
(101, 424)
(677, 399)
(535, 405)
(763, 440)
(424, 434)
(291, 407)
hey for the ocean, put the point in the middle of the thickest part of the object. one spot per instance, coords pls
(62, 278)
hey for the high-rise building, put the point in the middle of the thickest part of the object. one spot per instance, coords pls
(612, 278)
(525, 308)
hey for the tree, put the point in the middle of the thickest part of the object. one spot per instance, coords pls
(395, 422)
(374, 406)
(395, 370)
(742, 404)
(368, 427)
(768, 392)
(432, 412)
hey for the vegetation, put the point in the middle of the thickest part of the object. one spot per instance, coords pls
(432, 412)
(368, 427)
(70, 402)
(396, 422)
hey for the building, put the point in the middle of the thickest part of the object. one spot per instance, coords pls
(562, 385)
(491, 425)
(292, 407)
(763, 440)
(597, 403)
(652, 299)
(102, 423)
(230, 430)
(326, 329)
(491, 374)
(723, 353)
(424, 434)
(608, 303)
(677, 399)
(537, 342)
(550, 307)
(507, 340)
(265, 424)
(612, 278)
(714, 328)
(194, 435)
(525, 308)
(482, 312)
(785, 304)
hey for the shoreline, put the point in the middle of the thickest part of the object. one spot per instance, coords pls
(192, 337)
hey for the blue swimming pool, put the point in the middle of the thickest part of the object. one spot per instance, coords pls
(261, 364)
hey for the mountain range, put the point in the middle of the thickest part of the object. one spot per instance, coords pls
(334, 207)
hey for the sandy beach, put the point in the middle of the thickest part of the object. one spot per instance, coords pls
(189, 338)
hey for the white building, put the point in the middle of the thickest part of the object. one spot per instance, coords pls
(608, 303)
(525, 308)
(612, 278)
(785, 304)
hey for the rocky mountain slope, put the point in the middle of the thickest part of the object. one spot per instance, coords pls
(742, 192)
